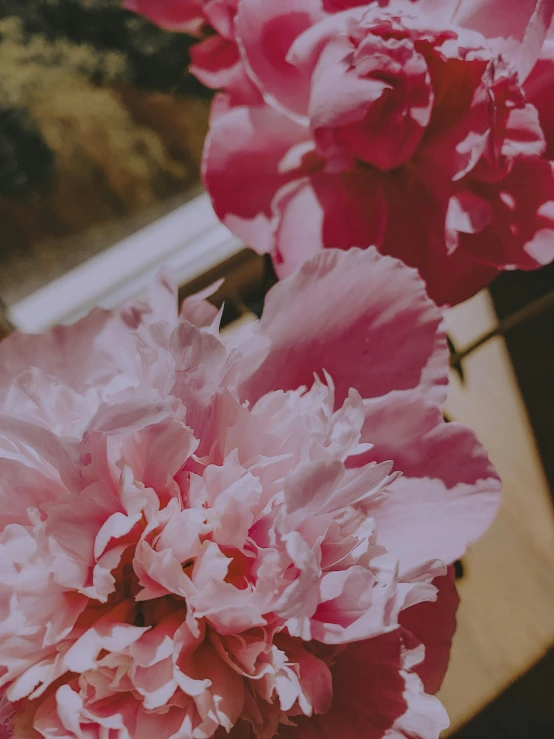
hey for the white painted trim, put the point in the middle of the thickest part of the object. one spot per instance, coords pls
(190, 240)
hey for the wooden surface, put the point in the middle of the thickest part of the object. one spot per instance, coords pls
(522, 711)
(531, 348)
(506, 617)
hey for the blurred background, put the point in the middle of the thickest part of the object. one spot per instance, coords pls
(101, 133)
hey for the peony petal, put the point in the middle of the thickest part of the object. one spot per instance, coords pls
(62, 352)
(425, 716)
(449, 493)
(353, 608)
(416, 234)
(199, 358)
(522, 232)
(23, 486)
(368, 693)
(341, 215)
(309, 487)
(158, 303)
(299, 599)
(160, 573)
(108, 634)
(224, 699)
(213, 60)
(317, 682)
(319, 488)
(538, 91)
(442, 11)
(33, 441)
(524, 21)
(385, 336)
(296, 238)
(433, 624)
(166, 577)
(70, 707)
(524, 135)
(241, 168)
(221, 16)
(174, 15)
(216, 63)
(265, 33)
(156, 684)
(305, 51)
(95, 349)
(390, 706)
(158, 451)
(196, 309)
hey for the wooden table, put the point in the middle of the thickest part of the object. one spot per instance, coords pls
(506, 617)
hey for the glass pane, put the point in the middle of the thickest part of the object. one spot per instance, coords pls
(101, 130)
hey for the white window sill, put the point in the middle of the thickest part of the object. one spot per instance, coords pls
(190, 241)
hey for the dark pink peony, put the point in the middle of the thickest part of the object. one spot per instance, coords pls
(202, 536)
(411, 126)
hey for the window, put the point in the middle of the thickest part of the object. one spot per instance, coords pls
(101, 132)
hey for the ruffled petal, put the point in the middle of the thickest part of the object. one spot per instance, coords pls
(64, 352)
(346, 210)
(265, 33)
(538, 90)
(374, 698)
(433, 623)
(60, 352)
(242, 169)
(385, 336)
(522, 24)
(521, 235)
(449, 492)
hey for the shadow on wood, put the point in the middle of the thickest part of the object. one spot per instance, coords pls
(531, 350)
(525, 710)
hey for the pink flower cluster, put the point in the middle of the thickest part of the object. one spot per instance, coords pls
(422, 128)
(203, 536)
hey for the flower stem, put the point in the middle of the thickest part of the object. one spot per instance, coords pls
(532, 310)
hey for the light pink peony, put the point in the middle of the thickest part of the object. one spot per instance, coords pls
(408, 126)
(201, 537)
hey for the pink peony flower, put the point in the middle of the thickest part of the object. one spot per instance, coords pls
(202, 536)
(408, 126)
